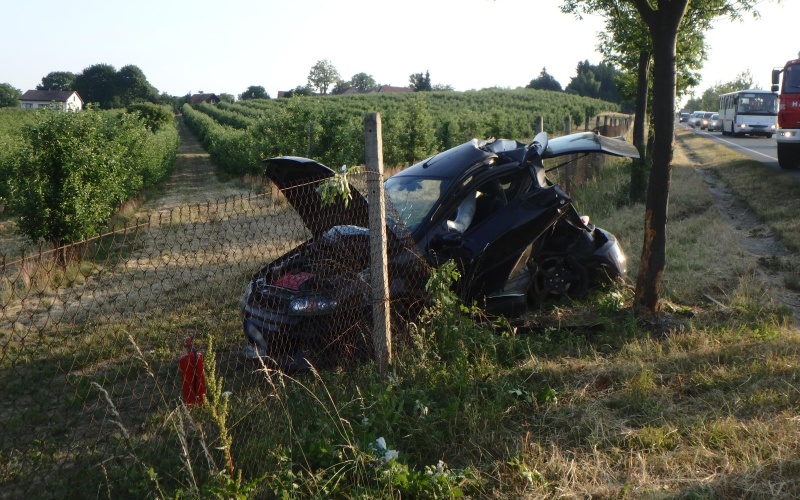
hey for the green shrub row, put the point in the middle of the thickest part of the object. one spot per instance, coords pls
(229, 147)
(69, 172)
(414, 125)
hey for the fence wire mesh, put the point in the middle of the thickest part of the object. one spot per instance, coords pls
(91, 336)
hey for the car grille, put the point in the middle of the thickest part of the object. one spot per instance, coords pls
(272, 299)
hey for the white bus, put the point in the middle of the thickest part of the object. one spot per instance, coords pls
(753, 112)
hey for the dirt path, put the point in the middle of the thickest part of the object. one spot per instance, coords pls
(754, 236)
(194, 179)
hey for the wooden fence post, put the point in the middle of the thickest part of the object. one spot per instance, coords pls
(538, 125)
(567, 127)
(373, 154)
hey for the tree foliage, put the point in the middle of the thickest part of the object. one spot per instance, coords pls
(9, 96)
(331, 131)
(254, 92)
(545, 81)
(132, 86)
(57, 80)
(73, 169)
(419, 82)
(363, 82)
(322, 75)
(109, 88)
(595, 80)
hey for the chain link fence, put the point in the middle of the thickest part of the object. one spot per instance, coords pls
(90, 350)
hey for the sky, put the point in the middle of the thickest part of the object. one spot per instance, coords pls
(225, 47)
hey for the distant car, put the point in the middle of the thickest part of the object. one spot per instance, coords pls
(683, 117)
(695, 118)
(703, 122)
(714, 124)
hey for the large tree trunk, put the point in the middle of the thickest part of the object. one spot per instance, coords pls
(663, 24)
(639, 168)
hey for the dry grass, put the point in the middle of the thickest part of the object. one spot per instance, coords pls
(701, 402)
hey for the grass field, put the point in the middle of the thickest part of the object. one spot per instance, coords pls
(583, 400)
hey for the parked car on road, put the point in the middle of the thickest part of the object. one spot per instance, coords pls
(714, 124)
(695, 118)
(703, 122)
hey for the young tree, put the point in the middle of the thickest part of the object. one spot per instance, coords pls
(132, 86)
(662, 21)
(420, 82)
(323, 75)
(9, 96)
(97, 83)
(341, 87)
(418, 134)
(595, 80)
(363, 82)
(304, 90)
(254, 92)
(545, 81)
(74, 171)
(626, 42)
(57, 80)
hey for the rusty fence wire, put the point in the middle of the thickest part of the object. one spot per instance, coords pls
(90, 350)
(92, 338)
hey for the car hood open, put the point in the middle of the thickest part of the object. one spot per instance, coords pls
(298, 179)
(588, 142)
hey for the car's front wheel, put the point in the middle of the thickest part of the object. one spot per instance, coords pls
(559, 276)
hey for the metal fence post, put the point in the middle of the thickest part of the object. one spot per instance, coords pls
(538, 125)
(382, 338)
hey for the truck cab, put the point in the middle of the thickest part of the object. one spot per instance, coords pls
(788, 133)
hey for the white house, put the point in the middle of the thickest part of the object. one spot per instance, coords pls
(66, 100)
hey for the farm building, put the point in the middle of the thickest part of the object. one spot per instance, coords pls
(66, 100)
(206, 98)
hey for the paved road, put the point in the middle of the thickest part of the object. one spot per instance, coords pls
(758, 148)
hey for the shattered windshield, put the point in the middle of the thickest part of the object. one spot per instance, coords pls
(413, 197)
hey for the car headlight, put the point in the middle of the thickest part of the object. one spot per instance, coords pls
(741, 125)
(618, 255)
(312, 306)
(787, 133)
(773, 126)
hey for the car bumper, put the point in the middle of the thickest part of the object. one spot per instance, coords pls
(755, 129)
(787, 136)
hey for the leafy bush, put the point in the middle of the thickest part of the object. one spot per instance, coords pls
(330, 129)
(72, 170)
(155, 116)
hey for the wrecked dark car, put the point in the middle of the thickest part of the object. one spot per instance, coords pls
(487, 205)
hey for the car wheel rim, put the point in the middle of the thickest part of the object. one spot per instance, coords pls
(560, 276)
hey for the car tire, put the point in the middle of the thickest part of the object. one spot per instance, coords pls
(788, 159)
(559, 276)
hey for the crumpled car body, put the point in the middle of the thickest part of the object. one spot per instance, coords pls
(523, 243)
